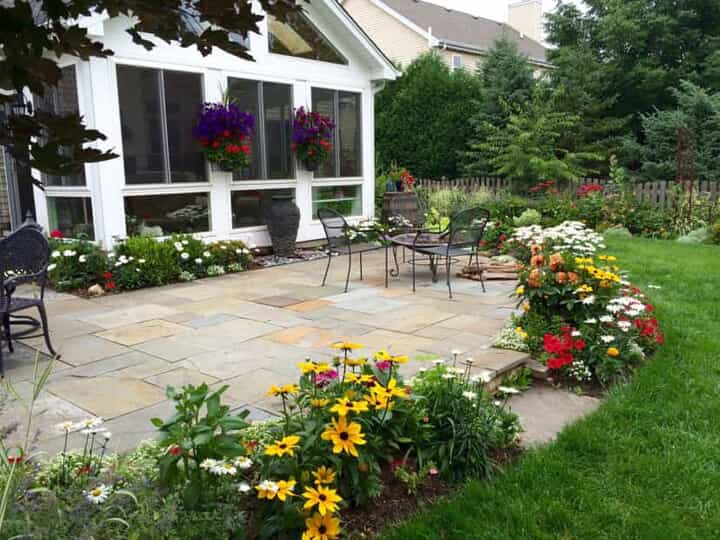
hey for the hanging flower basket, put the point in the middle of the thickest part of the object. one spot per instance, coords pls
(312, 138)
(225, 135)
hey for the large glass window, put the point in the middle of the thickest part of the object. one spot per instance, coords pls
(297, 36)
(162, 215)
(345, 110)
(249, 206)
(272, 106)
(346, 200)
(72, 216)
(62, 99)
(158, 110)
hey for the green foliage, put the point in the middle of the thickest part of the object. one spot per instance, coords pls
(421, 118)
(698, 111)
(449, 201)
(465, 426)
(698, 236)
(150, 263)
(202, 428)
(527, 150)
(630, 54)
(528, 217)
(715, 231)
(75, 265)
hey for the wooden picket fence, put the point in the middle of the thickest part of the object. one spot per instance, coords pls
(658, 193)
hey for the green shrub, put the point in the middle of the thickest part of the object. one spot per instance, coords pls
(715, 239)
(75, 265)
(698, 236)
(528, 217)
(142, 261)
(504, 206)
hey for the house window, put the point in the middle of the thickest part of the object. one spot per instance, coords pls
(347, 200)
(345, 110)
(158, 110)
(297, 36)
(457, 62)
(72, 216)
(162, 215)
(272, 106)
(249, 207)
(62, 99)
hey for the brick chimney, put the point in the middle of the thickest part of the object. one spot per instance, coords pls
(526, 17)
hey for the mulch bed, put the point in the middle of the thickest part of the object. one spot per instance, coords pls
(396, 505)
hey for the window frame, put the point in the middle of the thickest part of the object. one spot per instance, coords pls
(336, 134)
(147, 187)
(460, 62)
(260, 131)
(255, 187)
(342, 183)
(345, 60)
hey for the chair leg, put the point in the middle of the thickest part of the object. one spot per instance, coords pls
(413, 267)
(327, 268)
(46, 330)
(448, 265)
(361, 265)
(347, 278)
(6, 329)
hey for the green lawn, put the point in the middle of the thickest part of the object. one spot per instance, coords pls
(647, 464)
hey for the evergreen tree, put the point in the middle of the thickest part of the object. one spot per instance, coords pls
(421, 119)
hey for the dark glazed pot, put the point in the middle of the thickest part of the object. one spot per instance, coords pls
(311, 166)
(282, 217)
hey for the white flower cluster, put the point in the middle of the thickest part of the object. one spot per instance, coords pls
(579, 371)
(90, 426)
(625, 305)
(221, 467)
(570, 236)
(68, 254)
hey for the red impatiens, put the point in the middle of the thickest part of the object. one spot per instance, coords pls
(561, 347)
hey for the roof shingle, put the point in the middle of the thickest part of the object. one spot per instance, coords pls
(459, 28)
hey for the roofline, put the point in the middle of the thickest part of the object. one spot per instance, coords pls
(423, 32)
(467, 47)
(372, 46)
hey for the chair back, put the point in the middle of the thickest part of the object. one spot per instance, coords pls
(25, 255)
(467, 227)
(335, 226)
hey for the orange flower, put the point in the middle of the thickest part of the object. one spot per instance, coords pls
(535, 249)
(537, 260)
(556, 262)
(534, 278)
(561, 278)
(573, 277)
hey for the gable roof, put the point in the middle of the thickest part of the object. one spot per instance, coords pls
(460, 30)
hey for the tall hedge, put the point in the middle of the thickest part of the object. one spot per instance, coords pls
(422, 118)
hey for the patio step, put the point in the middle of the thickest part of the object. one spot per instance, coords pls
(498, 364)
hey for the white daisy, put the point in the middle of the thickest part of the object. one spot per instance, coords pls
(98, 494)
(92, 422)
(68, 253)
(268, 485)
(55, 254)
(141, 261)
(591, 321)
(179, 246)
(588, 300)
(67, 425)
(576, 333)
(185, 255)
(224, 468)
(52, 267)
(469, 395)
(607, 339)
(448, 376)
(206, 254)
(508, 390)
(606, 319)
(82, 258)
(243, 463)
(244, 487)
(185, 242)
(624, 325)
(438, 361)
(208, 463)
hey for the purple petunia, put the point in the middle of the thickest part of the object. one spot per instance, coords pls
(217, 121)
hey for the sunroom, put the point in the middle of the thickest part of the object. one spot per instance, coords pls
(147, 104)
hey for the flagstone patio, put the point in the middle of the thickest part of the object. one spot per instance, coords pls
(246, 331)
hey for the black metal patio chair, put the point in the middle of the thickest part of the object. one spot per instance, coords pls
(24, 258)
(340, 235)
(461, 238)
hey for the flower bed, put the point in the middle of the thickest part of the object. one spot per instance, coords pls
(139, 261)
(348, 429)
(582, 317)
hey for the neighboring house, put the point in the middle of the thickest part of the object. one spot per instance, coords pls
(146, 102)
(404, 29)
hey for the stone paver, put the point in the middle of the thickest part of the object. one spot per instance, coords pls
(248, 331)
(544, 411)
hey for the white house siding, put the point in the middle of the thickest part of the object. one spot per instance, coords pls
(470, 62)
(98, 103)
(401, 44)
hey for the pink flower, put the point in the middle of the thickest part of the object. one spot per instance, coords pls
(384, 364)
(325, 378)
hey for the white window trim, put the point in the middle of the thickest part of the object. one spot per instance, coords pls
(339, 182)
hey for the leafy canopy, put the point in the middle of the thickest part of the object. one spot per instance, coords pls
(34, 34)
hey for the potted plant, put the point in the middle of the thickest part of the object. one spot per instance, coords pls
(311, 137)
(400, 198)
(224, 133)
